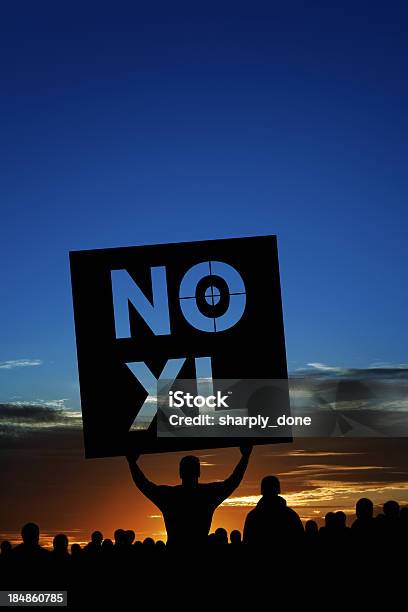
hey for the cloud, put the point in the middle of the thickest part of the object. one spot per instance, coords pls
(21, 418)
(19, 363)
(322, 470)
(324, 368)
(330, 495)
(51, 403)
(387, 365)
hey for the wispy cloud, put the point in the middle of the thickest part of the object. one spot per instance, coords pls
(21, 418)
(330, 494)
(321, 470)
(50, 403)
(323, 367)
(388, 365)
(19, 363)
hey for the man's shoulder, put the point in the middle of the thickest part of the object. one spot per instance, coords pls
(291, 511)
(252, 513)
(293, 515)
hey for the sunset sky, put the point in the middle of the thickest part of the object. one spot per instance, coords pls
(45, 478)
(162, 122)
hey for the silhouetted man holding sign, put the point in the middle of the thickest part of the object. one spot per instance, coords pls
(188, 508)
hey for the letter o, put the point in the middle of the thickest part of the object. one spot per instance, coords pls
(188, 299)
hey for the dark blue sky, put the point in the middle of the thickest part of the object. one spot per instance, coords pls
(182, 121)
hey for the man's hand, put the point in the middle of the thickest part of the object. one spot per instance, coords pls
(246, 451)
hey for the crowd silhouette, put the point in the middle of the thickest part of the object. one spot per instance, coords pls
(272, 528)
(273, 534)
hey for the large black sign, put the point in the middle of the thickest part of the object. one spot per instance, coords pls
(171, 311)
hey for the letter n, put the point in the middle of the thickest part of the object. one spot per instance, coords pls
(155, 313)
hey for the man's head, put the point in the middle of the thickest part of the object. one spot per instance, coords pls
(120, 537)
(97, 538)
(60, 543)
(235, 537)
(364, 509)
(270, 486)
(189, 469)
(221, 536)
(341, 519)
(130, 536)
(30, 534)
(391, 509)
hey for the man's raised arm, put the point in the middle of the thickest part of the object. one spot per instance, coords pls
(148, 488)
(232, 482)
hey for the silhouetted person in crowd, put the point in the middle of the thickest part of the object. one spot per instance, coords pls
(221, 536)
(76, 551)
(235, 537)
(107, 546)
(5, 549)
(311, 531)
(340, 523)
(311, 539)
(31, 562)
(60, 557)
(340, 520)
(30, 548)
(327, 531)
(272, 522)
(60, 547)
(5, 557)
(188, 508)
(160, 546)
(130, 537)
(364, 528)
(364, 523)
(124, 543)
(391, 511)
(120, 539)
(79, 559)
(330, 521)
(341, 533)
(95, 545)
(390, 525)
